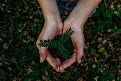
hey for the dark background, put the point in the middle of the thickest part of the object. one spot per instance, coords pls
(21, 21)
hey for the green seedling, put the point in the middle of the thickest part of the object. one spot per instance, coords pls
(60, 46)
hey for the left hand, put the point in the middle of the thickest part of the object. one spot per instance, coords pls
(52, 27)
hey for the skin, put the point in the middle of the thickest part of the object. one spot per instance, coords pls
(53, 26)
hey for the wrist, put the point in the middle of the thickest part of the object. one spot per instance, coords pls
(52, 15)
(54, 22)
(74, 22)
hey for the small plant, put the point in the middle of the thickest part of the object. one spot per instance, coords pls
(60, 46)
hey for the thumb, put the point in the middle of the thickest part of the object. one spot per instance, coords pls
(80, 53)
(42, 53)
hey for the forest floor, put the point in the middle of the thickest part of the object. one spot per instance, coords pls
(21, 21)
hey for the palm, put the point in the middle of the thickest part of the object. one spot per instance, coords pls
(49, 32)
(78, 42)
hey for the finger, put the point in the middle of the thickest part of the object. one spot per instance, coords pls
(61, 67)
(58, 64)
(51, 61)
(62, 71)
(42, 53)
(80, 53)
(69, 62)
(58, 61)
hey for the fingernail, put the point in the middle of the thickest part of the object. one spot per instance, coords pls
(79, 61)
(62, 71)
(61, 68)
(41, 60)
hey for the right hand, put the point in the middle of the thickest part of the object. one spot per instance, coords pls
(49, 31)
(77, 39)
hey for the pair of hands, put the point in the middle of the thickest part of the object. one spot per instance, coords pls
(50, 30)
(53, 26)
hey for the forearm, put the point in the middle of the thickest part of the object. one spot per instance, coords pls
(82, 10)
(49, 9)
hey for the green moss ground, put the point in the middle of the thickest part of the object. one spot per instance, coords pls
(21, 21)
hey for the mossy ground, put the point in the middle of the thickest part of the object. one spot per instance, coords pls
(21, 21)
